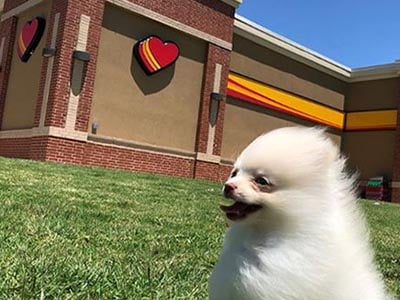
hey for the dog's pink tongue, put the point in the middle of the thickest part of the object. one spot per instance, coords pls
(235, 211)
(235, 208)
(239, 210)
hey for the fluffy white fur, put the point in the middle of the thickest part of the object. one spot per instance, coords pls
(309, 241)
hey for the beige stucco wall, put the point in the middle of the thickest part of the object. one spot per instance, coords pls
(243, 122)
(274, 69)
(23, 85)
(373, 94)
(371, 153)
(161, 109)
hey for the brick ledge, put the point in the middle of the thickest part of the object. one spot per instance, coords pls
(137, 9)
(123, 143)
(19, 9)
(208, 158)
(44, 131)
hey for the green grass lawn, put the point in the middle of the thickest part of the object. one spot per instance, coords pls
(70, 232)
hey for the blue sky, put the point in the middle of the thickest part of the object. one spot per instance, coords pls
(356, 33)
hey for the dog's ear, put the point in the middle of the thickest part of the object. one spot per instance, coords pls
(332, 152)
(326, 150)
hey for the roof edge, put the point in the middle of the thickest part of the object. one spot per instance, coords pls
(384, 71)
(234, 3)
(293, 50)
(282, 45)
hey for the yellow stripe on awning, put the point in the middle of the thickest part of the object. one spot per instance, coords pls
(383, 119)
(290, 101)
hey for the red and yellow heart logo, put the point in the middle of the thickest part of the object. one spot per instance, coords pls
(154, 55)
(30, 37)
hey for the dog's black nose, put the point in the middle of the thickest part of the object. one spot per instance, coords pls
(229, 188)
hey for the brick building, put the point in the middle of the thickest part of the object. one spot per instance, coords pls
(104, 87)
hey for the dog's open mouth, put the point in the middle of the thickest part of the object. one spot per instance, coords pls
(239, 210)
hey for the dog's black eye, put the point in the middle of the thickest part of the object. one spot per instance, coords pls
(234, 173)
(261, 181)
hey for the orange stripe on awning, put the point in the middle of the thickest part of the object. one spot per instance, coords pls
(286, 101)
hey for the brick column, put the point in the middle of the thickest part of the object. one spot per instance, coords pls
(95, 10)
(208, 144)
(59, 95)
(71, 88)
(57, 99)
(221, 56)
(52, 23)
(7, 39)
(396, 161)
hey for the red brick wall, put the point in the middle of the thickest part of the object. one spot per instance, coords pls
(64, 150)
(199, 14)
(208, 171)
(211, 16)
(68, 151)
(38, 148)
(8, 30)
(19, 148)
(10, 4)
(130, 159)
(32, 148)
(100, 155)
(225, 171)
(395, 195)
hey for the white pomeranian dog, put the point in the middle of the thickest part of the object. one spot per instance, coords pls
(297, 232)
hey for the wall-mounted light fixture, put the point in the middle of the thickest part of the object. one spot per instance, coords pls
(216, 98)
(79, 63)
(81, 55)
(95, 126)
(48, 52)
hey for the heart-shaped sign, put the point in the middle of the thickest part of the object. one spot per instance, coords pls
(30, 37)
(154, 55)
